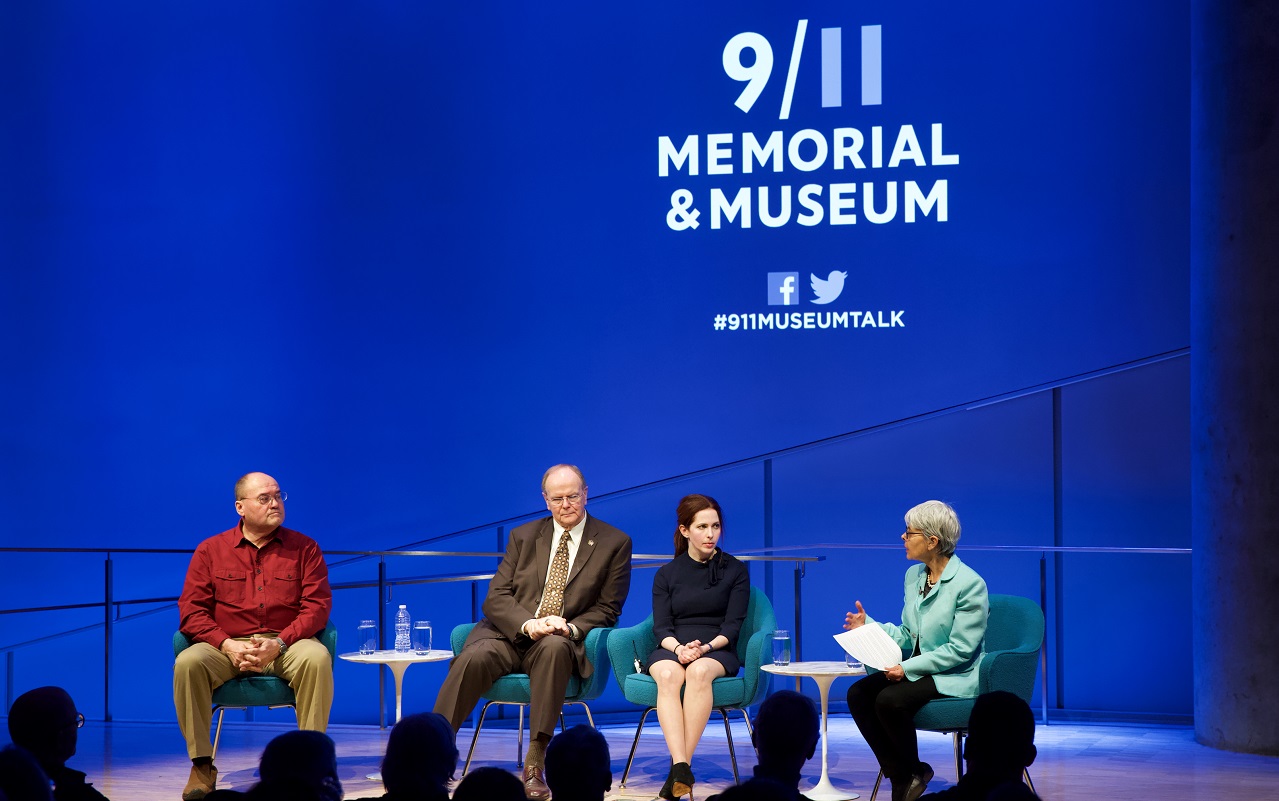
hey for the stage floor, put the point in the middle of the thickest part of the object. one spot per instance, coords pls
(146, 761)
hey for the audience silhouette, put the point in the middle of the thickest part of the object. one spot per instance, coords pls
(756, 789)
(578, 765)
(295, 766)
(21, 778)
(489, 784)
(421, 757)
(45, 722)
(786, 733)
(999, 748)
(787, 730)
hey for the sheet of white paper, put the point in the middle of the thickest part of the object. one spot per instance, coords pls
(871, 645)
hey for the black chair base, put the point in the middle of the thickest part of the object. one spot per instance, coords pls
(221, 710)
(728, 730)
(959, 735)
(519, 737)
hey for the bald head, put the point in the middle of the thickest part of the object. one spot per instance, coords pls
(558, 471)
(564, 491)
(242, 484)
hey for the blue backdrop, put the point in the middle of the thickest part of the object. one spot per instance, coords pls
(405, 256)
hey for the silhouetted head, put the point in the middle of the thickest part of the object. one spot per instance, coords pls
(302, 757)
(421, 756)
(787, 727)
(756, 790)
(1014, 790)
(489, 784)
(44, 721)
(578, 765)
(1001, 735)
(21, 778)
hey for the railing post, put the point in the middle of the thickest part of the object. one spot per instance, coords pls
(1043, 652)
(108, 607)
(799, 619)
(768, 526)
(383, 598)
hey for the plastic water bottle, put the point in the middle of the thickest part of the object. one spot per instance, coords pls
(403, 640)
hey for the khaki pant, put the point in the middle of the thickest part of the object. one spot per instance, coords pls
(201, 669)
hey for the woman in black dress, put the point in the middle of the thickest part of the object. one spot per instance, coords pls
(699, 603)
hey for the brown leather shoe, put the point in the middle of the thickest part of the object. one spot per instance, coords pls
(202, 781)
(535, 788)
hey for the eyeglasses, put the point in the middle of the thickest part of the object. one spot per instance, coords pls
(565, 499)
(908, 534)
(79, 721)
(263, 500)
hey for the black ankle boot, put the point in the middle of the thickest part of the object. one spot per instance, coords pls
(682, 773)
(666, 792)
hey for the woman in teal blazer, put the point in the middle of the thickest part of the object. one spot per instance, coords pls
(941, 633)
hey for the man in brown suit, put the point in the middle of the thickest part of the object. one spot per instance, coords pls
(562, 576)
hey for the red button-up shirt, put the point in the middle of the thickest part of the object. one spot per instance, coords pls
(233, 589)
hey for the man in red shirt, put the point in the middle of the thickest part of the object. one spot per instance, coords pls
(254, 599)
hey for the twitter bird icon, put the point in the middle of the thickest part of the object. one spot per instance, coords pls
(829, 289)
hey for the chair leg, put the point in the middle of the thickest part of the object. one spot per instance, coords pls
(589, 718)
(1025, 774)
(959, 754)
(879, 778)
(519, 739)
(728, 730)
(631, 757)
(476, 738)
(217, 734)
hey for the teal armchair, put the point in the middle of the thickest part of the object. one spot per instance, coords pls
(629, 645)
(1014, 635)
(514, 688)
(254, 690)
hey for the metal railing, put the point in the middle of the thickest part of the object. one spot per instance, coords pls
(113, 607)
(769, 554)
(801, 556)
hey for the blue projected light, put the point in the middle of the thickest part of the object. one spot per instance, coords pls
(426, 243)
(405, 256)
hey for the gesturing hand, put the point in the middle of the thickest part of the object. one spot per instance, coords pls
(852, 621)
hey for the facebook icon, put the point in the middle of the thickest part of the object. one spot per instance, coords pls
(783, 289)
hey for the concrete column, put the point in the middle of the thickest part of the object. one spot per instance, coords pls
(1235, 372)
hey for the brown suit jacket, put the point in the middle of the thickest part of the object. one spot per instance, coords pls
(597, 583)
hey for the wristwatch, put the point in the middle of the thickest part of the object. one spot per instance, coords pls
(283, 646)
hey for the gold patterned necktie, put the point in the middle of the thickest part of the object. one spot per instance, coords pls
(553, 595)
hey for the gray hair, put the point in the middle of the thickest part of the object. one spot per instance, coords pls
(580, 478)
(936, 519)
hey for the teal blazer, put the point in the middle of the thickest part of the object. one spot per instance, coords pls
(949, 625)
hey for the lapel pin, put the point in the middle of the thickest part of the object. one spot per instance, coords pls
(590, 542)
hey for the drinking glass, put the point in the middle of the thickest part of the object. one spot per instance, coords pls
(421, 636)
(366, 636)
(781, 647)
(851, 661)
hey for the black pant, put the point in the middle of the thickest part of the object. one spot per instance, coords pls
(885, 713)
